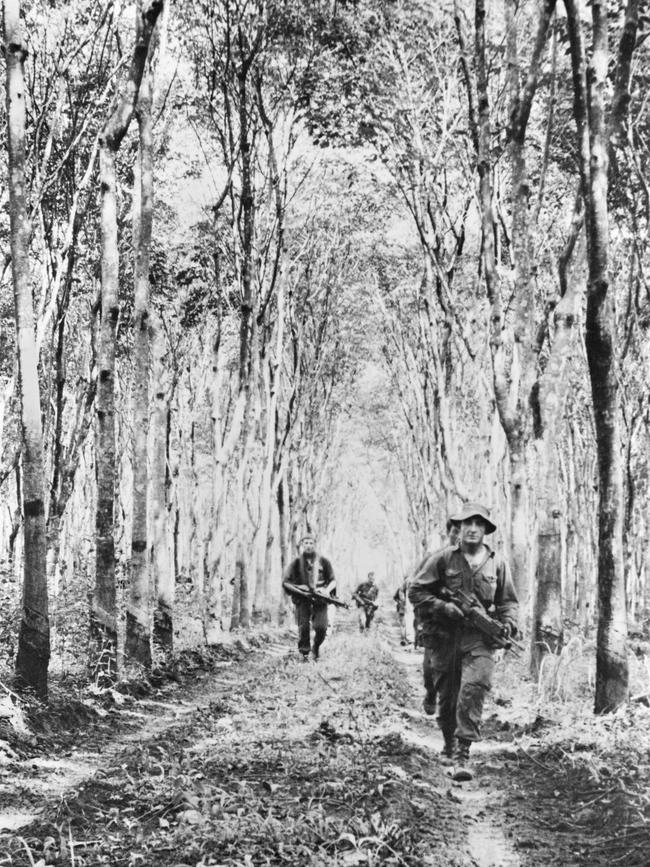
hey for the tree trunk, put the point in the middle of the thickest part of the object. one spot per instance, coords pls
(53, 512)
(611, 656)
(103, 619)
(269, 480)
(138, 617)
(590, 86)
(238, 582)
(103, 624)
(159, 482)
(548, 629)
(34, 638)
(511, 343)
(519, 426)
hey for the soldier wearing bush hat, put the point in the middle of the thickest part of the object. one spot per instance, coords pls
(475, 510)
(461, 657)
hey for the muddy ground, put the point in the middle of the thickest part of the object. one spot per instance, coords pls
(248, 756)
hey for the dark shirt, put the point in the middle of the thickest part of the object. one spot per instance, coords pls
(368, 590)
(302, 571)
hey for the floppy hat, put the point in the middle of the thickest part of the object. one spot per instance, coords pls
(475, 510)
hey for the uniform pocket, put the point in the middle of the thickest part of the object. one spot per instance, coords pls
(485, 587)
(453, 579)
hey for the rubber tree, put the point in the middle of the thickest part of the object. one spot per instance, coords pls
(103, 618)
(159, 485)
(599, 122)
(34, 639)
(138, 621)
(549, 420)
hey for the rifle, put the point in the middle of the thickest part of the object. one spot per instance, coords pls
(315, 595)
(367, 602)
(477, 616)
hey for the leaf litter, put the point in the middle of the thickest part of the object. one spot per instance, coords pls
(271, 761)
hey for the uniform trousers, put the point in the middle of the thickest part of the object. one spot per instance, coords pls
(308, 613)
(461, 679)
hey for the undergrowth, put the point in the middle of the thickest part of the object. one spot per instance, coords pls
(288, 763)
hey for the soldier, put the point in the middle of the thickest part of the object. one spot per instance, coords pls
(400, 607)
(429, 703)
(310, 570)
(462, 660)
(365, 596)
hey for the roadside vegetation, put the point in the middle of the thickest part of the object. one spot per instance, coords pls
(244, 755)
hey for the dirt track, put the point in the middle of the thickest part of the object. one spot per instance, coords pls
(268, 760)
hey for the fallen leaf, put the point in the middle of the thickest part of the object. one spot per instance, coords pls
(191, 817)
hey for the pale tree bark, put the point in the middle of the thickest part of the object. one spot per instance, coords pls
(138, 615)
(34, 639)
(518, 426)
(249, 332)
(590, 83)
(272, 370)
(57, 502)
(548, 623)
(262, 599)
(65, 455)
(240, 615)
(160, 554)
(103, 618)
(213, 541)
(226, 432)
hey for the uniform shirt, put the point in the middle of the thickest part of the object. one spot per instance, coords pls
(310, 570)
(368, 590)
(491, 584)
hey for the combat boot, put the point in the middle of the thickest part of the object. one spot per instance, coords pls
(448, 749)
(462, 772)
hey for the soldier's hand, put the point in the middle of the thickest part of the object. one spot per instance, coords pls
(453, 612)
(509, 631)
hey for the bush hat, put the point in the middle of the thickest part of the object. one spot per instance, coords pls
(475, 510)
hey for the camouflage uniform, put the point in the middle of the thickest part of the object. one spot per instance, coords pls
(460, 661)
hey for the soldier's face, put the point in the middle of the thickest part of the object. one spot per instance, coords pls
(472, 530)
(308, 546)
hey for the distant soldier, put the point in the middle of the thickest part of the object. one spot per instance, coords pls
(365, 596)
(312, 571)
(399, 598)
(462, 657)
